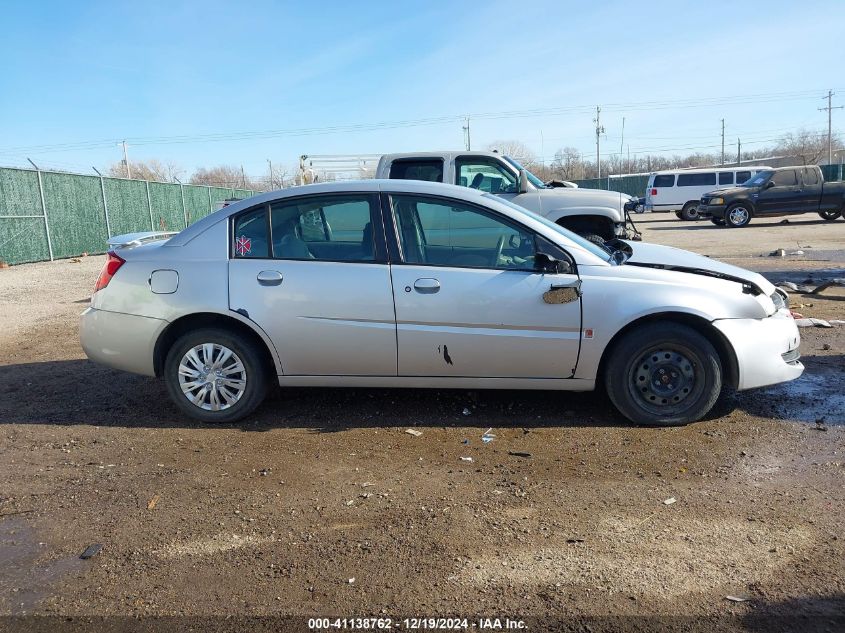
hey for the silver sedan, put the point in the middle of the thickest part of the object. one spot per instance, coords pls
(414, 284)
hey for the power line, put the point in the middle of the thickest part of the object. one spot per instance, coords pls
(440, 120)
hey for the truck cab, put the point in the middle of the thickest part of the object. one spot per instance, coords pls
(595, 214)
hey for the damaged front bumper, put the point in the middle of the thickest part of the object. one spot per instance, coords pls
(767, 350)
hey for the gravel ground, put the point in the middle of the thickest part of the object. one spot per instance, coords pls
(322, 504)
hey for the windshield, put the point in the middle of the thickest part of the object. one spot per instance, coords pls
(759, 179)
(531, 177)
(588, 246)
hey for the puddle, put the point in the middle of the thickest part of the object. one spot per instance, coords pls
(23, 583)
(809, 398)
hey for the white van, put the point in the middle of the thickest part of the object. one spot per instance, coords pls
(680, 190)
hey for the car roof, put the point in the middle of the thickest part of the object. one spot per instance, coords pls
(343, 186)
(447, 154)
(708, 170)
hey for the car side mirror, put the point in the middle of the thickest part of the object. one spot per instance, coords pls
(548, 264)
(523, 181)
(769, 185)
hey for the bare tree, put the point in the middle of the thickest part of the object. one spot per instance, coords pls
(152, 169)
(806, 145)
(225, 176)
(515, 149)
(568, 164)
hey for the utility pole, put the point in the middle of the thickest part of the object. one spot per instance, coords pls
(830, 108)
(270, 163)
(126, 160)
(622, 143)
(723, 143)
(599, 132)
(243, 178)
(738, 152)
(466, 134)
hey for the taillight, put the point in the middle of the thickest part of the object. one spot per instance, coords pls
(654, 192)
(113, 264)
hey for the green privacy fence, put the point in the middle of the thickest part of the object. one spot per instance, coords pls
(635, 185)
(48, 215)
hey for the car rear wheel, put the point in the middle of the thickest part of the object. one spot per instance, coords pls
(664, 374)
(718, 221)
(214, 375)
(830, 216)
(690, 211)
(738, 215)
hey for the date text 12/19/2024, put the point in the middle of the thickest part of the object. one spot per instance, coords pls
(417, 624)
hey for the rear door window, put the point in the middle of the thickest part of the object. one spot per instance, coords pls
(726, 178)
(742, 176)
(664, 180)
(696, 180)
(429, 170)
(810, 177)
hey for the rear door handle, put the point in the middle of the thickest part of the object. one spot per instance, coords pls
(427, 286)
(269, 278)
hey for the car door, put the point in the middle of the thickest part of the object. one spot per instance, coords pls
(811, 190)
(782, 196)
(470, 299)
(312, 273)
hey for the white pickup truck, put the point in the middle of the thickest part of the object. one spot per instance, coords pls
(595, 214)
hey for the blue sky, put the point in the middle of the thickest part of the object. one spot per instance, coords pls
(89, 73)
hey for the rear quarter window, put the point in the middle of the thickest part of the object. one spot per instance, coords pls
(726, 177)
(250, 235)
(696, 180)
(429, 170)
(664, 180)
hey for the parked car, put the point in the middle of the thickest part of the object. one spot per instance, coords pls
(775, 192)
(396, 283)
(592, 213)
(680, 190)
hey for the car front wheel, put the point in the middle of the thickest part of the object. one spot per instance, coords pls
(214, 375)
(664, 374)
(738, 215)
(830, 216)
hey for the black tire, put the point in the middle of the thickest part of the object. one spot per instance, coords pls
(678, 215)
(734, 218)
(690, 211)
(830, 216)
(718, 221)
(642, 362)
(255, 375)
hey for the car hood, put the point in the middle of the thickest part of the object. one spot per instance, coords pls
(684, 262)
(727, 190)
(580, 192)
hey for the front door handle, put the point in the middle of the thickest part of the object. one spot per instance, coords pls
(427, 286)
(575, 283)
(269, 278)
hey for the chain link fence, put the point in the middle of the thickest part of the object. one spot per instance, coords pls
(46, 215)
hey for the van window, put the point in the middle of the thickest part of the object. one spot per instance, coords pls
(664, 180)
(726, 178)
(785, 178)
(430, 170)
(742, 176)
(696, 180)
(810, 176)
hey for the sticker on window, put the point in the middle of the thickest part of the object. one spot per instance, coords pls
(243, 246)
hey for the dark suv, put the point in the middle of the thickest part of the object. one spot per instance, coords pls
(783, 191)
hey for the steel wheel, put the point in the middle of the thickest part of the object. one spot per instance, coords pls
(663, 373)
(212, 377)
(690, 211)
(738, 215)
(663, 378)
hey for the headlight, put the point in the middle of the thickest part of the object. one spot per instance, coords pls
(717, 201)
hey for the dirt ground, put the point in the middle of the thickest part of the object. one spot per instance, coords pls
(322, 505)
